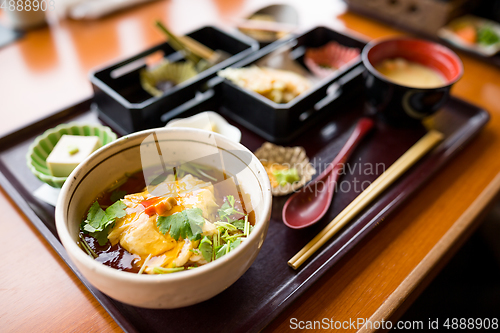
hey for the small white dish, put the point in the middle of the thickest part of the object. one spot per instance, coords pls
(209, 121)
(448, 33)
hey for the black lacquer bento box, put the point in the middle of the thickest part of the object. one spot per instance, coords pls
(280, 123)
(127, 106)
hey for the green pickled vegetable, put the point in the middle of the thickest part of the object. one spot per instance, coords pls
(286, 176)
(487, 36)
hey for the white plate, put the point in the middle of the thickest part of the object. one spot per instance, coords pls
(447, 33)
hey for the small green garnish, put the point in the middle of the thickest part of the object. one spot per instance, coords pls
(215, 244)
(187, 168)
(248, 227)
(228, 238)
(221, 251)
(161, 270)
(487, 36)
(235, 244)
(286, 176)
(87, 248)
(225, 225)
(227, 209)
(239, 224)
(206, 248)
(227, 247)
(73, 149)
(186, 224)
(99, 222)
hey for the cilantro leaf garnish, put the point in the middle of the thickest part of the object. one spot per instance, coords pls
(172, 224)
(99, 222)
(222, 250)
(206, 248)
(227, 209)
(195, 215)
(235, 244)
(186, 224)
(116, 210)
(239, 224)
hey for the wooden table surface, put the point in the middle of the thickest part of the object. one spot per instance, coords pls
(47, 70)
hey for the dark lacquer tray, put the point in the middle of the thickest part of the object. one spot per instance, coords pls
(270, 285)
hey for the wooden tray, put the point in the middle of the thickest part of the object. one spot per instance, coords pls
(269, 286)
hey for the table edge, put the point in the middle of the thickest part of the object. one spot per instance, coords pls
(431, 260)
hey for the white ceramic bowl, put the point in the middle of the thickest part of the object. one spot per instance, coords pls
(111, 162)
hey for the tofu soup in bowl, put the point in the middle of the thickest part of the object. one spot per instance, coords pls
(165, 218)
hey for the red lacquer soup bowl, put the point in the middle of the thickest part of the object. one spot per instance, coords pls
(404, 104)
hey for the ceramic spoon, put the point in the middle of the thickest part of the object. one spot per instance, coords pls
(310, 203)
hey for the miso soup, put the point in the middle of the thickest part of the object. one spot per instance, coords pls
(410, 74)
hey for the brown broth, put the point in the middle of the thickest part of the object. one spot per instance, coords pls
(113, 256)
(116, 256)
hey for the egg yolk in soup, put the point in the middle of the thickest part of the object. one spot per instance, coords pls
(199, 217)
(410, 74)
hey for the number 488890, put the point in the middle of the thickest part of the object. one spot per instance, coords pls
(28, 5)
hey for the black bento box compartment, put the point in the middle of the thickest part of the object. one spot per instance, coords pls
(280, 123)
(121, 99)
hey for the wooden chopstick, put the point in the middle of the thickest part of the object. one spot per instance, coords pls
(197, 48)
(417, 151)
(193, 50)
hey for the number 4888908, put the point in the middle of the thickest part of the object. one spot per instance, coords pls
(471, 323)
(28, 5)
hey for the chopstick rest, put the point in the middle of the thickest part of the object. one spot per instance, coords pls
(402, 164)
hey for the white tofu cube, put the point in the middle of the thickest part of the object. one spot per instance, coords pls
(70, 151)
